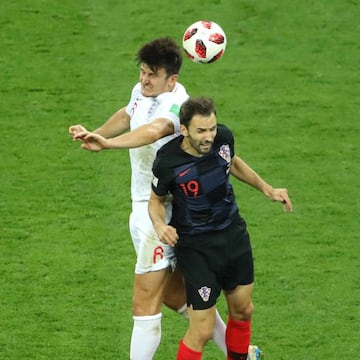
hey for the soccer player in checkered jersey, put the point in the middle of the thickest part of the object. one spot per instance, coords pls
(211, 242)
(152, 116)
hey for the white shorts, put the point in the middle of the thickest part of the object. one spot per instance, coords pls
(152, 254)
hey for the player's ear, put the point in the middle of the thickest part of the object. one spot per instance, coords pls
(183, 130)
(172, 79)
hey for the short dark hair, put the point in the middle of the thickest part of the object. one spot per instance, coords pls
(161, 53)
(196, 106)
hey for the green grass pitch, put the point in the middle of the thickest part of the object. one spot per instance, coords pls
(288, 86)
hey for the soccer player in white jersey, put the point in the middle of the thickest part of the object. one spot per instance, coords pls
(152, 116)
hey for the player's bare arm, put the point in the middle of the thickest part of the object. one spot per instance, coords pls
(115, 125)
(143, 135)
(166, 233)
(246, 174)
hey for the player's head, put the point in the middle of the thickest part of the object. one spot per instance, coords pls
(198, 125)
(160, 62)
(161, 53)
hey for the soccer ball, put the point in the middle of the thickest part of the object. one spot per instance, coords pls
(204, 42)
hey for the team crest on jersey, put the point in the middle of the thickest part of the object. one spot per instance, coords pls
(224, 152)
(204, 292)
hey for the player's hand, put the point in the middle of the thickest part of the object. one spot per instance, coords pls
(92, 141)
(168, 235)
(282, 196)
(75, 129)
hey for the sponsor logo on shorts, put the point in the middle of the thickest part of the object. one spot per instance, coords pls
(204, 292)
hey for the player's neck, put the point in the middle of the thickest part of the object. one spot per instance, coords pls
(186, 147)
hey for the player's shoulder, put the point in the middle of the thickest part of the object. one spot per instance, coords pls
(224, 142)
(169, 153)
(180, 89)
(167, 156)
(177, 95)
(171, 147)
(224, 133)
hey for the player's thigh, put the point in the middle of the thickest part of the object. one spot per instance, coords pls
(201, 282)
(175, 295)
(148, 292)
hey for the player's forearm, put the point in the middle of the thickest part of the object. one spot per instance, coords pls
(253, 179)
(166, 233)
(115, 125)
(246, 174)
(156, 210)
(133, 139)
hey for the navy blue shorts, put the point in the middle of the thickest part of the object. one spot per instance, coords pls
(215, 261)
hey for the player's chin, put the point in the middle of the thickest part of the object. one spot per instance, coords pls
(147, 92)
(205, 148)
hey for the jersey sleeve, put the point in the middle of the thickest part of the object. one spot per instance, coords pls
(171, 103)
(172, 114)
(161, 180)
(225, 135)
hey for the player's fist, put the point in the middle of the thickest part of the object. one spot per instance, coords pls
(75, 130)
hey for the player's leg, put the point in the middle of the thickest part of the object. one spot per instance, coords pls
(175, 298)
(199, 332)
(149, 294)
(151, 273)
(238, 288)
(148, 290)
(202, 291)
(154, 283)
(238, 331)
(147, 299)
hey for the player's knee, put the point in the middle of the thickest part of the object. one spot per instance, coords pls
(145, 302)
(248, 311)
(175, 299)
(243, 311)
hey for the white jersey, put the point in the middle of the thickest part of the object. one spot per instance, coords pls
(143, 110)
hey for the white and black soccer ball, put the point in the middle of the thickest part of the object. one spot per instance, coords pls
(204, 42)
